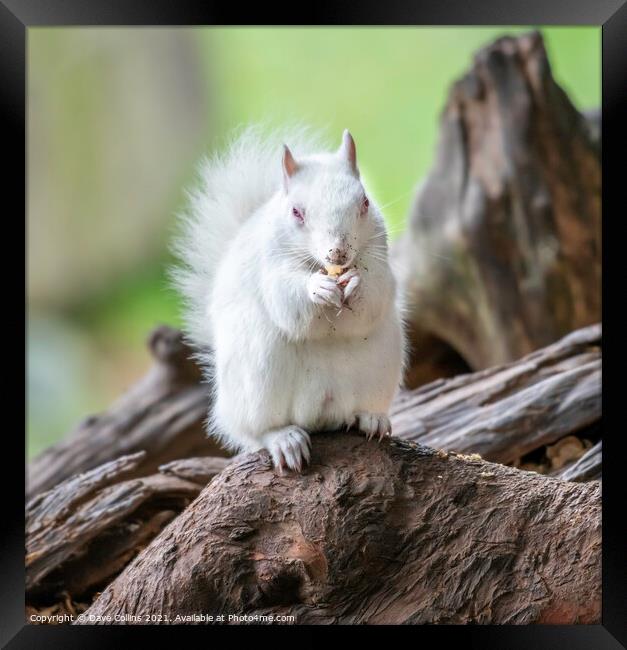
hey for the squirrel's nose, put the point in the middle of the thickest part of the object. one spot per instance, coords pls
(337, 256)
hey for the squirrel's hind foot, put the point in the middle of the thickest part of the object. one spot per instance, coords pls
(372, 424)
(289, 447)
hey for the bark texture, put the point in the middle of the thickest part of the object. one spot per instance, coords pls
(587, 468)
(82, 533)
(374, 533)
(502, 254)
(506, 412)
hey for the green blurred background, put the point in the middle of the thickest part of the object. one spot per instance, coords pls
(117, 119)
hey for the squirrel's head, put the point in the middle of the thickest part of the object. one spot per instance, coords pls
(327, 210)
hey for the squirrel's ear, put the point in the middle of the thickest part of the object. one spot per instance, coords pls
(290, 166)
(348, 151)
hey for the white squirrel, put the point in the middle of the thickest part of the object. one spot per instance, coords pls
(289, 348)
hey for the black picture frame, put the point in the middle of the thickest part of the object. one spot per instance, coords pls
(16, 16)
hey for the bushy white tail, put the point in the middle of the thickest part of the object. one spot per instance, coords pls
(232, 185)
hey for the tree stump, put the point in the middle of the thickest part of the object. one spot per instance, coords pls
(502, 253)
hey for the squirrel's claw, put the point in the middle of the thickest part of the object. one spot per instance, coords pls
(374, 424)
(290, 448)
(350, 281)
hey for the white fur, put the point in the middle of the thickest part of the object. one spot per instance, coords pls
(291, 351)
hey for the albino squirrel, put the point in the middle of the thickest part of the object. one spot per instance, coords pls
(290, 297)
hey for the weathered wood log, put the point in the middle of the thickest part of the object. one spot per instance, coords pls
(198, 470)
(505, 412)
(388, 532)
(83, 532)
(502, 253)
(162, 415)
(587, 468)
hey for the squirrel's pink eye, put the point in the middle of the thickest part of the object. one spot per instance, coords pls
(364, 206)
(298, 215)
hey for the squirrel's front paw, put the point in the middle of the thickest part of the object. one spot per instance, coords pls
(324, 290)
(349, 282)
(289, 447)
